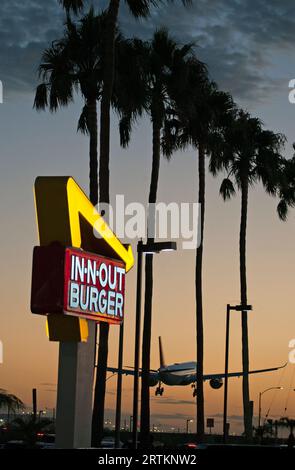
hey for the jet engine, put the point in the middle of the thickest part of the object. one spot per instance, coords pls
(216, 383)
(153, 380)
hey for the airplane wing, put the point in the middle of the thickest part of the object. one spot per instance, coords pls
(240, 374)
(114, 370)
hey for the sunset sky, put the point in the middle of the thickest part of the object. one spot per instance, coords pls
(249, 52)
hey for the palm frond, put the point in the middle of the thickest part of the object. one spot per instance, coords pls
(141, 8)
(227, 189)
(125, 126)
(170, 140)
(72, 5)
(41, 98)
(12, 402)
(83, 125)
(282, 210)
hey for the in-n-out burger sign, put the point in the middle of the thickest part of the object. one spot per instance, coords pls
(94, 285)
(78, 283)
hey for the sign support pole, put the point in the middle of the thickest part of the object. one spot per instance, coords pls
(74, 394)
(119, 388)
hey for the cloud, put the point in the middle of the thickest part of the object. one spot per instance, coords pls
(172, 401)
(126, 391)
(173, 417)
(219, 416)
(26, 29)
(239, 40)
(48, 384)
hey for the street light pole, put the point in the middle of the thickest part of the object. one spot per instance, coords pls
(226, 372)
(259, 411)
(187, 424)
(229, 307)
(119, 387)
(130, 423)
(137, 343)
(148, 248)
(260, 395)
(34, 393)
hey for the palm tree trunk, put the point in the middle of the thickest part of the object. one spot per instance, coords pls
(199, 300)
(92, 120)
(147, 324)
(243, 285)
(100, 385)
(108, 81)
(93, 165)
(104, 197)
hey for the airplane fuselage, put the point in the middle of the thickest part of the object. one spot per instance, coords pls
(178, 374)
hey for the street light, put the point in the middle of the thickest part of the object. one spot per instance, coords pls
(41, 412)
(239, 308)
(130, 423)
(187, 424)
(148, 248)
(260, 395)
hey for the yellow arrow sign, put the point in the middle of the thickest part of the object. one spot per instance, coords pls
(65, 214)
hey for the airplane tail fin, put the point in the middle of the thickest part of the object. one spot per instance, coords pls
(162, 360)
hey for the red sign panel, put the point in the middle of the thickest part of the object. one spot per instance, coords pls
(74, 282)
(94, 286)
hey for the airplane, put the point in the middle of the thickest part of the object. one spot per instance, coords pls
(184, 373)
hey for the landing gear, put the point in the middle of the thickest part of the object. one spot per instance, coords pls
(159, 390)
(195, 390)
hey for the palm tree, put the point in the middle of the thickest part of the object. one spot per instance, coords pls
(165, 67)
(11, 402)
(29, 428)
(138, 8)
(218, 106)
(251, 155)
(202, 115)
(163, 57)
(75, 63)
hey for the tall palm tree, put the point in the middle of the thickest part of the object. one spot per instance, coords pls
(202, 115)
(138, 8)
(218, 106)
(164, 59)
(251, 155)
(165, 67)
(76, 63)
(11, 402)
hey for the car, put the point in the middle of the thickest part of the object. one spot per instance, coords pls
(109, 443)
(192, 446)
(46, 441)
(45, 445)
(15, 445)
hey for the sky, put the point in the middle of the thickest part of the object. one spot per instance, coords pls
(249, 52)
